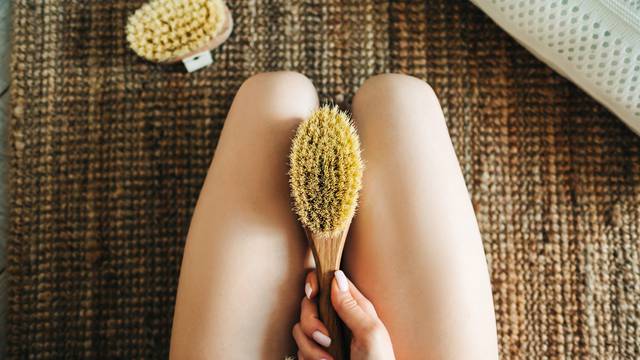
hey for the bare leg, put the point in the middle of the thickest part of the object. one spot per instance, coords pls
(243, 267)
(415, 249)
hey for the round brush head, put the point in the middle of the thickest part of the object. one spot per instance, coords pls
(325, 171)
(165, 30)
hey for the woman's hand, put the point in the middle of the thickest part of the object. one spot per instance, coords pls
(370, 339)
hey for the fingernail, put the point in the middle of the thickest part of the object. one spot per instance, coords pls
(307, 290)
(321, 338)
(343, 283)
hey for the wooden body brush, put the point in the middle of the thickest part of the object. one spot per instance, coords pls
(325, 178)
(168, 31)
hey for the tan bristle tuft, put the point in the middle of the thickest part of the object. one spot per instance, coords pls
(326, 171)
(166, 29)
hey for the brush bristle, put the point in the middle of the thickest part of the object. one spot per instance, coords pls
(326, 171)
(166, 29)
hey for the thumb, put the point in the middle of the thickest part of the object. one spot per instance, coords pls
(350, 311)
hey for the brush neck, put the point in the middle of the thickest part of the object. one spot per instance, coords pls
(327, 252)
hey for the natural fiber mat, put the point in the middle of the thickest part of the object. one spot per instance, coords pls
(109, 153)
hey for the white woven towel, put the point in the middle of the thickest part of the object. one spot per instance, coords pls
(594, 43)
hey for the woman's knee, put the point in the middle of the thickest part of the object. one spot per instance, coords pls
(396, 87)
(395, 94)
(281, 93)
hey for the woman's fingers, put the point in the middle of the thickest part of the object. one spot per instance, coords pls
(311, 285)
(352, 306)
(311, 325)
(307, 347)
(355, 310)
(355, 315)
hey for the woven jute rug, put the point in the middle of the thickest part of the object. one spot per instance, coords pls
(108, 153)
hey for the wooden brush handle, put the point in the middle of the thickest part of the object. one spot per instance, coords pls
(327, 252)
(330, 318)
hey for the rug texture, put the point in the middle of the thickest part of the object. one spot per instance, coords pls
(108, 153)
